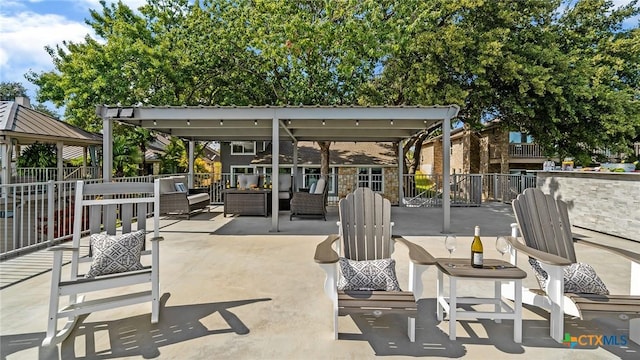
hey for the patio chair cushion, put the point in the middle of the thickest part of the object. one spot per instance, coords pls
(320, 184)
(167, 185)
(368, 275)
(116, 253)
(579, 278)
(312, 188)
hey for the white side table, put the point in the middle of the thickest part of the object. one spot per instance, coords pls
(491, 271)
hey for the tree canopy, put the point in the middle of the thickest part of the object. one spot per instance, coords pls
(565, 72)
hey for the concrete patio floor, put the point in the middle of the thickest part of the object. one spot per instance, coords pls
(233, 290)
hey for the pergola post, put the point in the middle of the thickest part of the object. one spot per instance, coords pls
(295, 166)
(192, 145)
(107, 149)
(275, 160)
(446, 164)
(401, 174)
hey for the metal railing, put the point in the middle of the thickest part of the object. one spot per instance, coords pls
(525, 150)
(40, 214)
(42, 174)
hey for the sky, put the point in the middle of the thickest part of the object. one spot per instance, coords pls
(27, 26)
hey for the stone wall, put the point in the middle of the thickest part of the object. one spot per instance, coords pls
(605, 202)
(391, 185)
(348, 180)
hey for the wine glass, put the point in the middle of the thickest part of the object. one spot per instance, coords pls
(450, 243)
(502, 245)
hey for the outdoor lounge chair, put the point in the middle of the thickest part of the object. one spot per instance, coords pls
(176, 199)
(365, 243)
(545, 228)
(312, 203)
(119, 260)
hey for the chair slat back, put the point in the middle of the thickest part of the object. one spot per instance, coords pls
(544, 223)
(365, 225)
(109, 206)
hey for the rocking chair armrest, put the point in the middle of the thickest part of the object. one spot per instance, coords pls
(325, 253)
(157, 238)
(63, 248)
(417, 254)
(635, 257)
(540, 255)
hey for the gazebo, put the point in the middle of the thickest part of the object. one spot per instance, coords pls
(21, 125)
(285, 123)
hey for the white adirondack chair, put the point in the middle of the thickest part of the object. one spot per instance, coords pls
(112, 207)
(546, 231)
(365, 234)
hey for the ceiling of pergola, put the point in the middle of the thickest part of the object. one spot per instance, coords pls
(303, 123)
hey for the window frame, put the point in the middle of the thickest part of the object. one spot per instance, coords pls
(233, 152)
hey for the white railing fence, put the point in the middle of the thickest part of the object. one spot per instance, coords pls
(41, 214)
(42, 174)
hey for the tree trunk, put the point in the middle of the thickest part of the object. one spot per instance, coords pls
(324, 157)
(417, 147)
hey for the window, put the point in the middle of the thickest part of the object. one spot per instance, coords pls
(243, 148)
(521, 138)
(371, 178)
(311, 175)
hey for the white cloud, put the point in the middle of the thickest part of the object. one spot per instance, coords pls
(24, 35)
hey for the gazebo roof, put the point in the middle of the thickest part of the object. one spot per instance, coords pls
(29, 126)
(302, 123)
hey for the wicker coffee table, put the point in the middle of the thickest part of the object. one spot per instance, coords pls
(247, 202)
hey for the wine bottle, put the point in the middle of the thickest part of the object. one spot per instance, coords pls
(476, 249)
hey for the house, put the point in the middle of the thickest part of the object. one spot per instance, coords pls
(351, 164)
(490, 150)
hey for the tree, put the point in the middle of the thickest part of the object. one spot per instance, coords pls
(316, 53)
(10, 90)
(38, 155)
(562, 78)
(565, 72)
(126, 156)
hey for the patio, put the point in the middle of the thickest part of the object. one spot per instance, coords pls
(234, 290)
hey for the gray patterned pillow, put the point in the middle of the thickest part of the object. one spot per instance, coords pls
(368, 275)
(579, 278)
(116, 253)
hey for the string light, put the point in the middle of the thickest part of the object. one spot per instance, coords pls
(289, 122)
(357, 122)
(188, 122)
(391, 122)
(255, 122)
(155, 123)
(323, 122)
(221, 122)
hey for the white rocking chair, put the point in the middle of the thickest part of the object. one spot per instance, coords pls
(107, 207)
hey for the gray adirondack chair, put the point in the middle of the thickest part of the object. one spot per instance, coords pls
(365, 233)
(546, 231)
(109, 207)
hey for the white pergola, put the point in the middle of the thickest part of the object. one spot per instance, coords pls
(286, 123)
